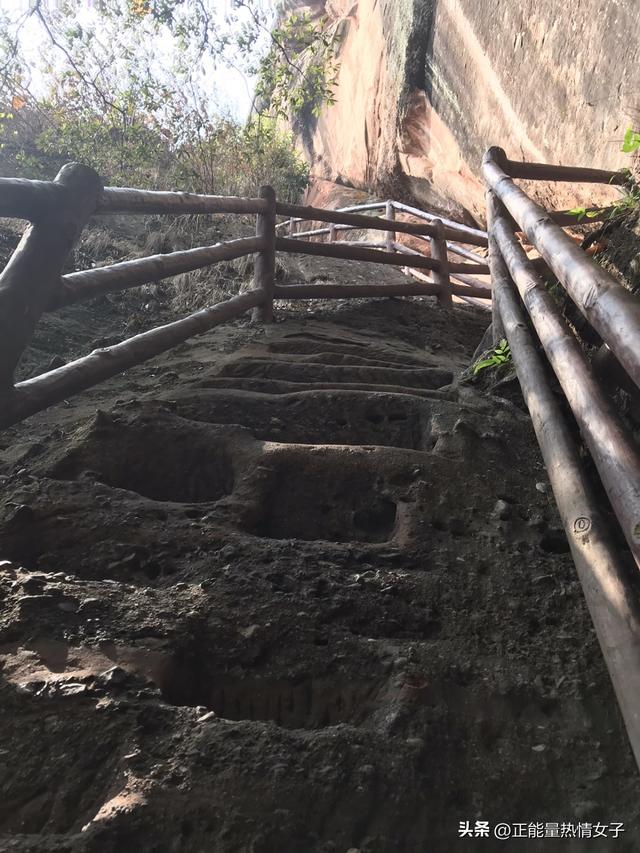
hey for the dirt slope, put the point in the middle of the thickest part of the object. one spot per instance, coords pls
(296, 589)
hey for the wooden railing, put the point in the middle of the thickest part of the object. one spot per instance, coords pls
(440, 234)
(526, 313)
(32, 284)
(523, 311)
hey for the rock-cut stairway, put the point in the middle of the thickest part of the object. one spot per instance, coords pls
(304, 601)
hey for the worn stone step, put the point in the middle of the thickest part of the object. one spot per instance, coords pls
(426, 377)
(281, 386)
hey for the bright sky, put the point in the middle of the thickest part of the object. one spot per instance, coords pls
(229, 88)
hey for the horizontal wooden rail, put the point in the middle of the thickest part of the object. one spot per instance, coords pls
(465, 286)
(88, 284)
(321, 232)
(352, 253)
(351, 291)
(549, 172)
(406, 250)
(375, 205)
(25, 199)
(366, 244)
(611, 309)
(370, 205)
(36, 394)
(613, 450)
(611, 599)
(427, 287)
(126, 200)
(484, 286)
(379, 223)
(479, 235)
(454, 249)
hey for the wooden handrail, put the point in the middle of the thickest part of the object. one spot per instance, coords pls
(88, 284)
(350, 291)
(611, 309)
(33, 271)
(609, 593)
(617, 458)
(352, 253)
(428, 287)
(379, 223)
(34, 395)
(31, 282)
(30, 200)
(473, 294)
(374, 205)
(127, 200)
(550, 172)
(471, 233)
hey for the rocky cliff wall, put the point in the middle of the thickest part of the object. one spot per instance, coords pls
(426, 85)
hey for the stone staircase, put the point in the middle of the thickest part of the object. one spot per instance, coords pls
(301, 602)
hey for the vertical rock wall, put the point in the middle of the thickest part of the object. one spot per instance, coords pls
(426, 85)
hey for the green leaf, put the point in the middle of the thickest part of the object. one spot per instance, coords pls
(631, 141)
(579, 212)
(485, 362)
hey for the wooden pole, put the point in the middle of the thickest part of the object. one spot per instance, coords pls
(390, 213)
(379, 223)
(614, 452)
(499, 271)
(441, 272)
(332, 233)
(31, 277)
(43, 391)
(612, 310)
(550, 172)
(25, 199)
(265, 263)
(475, 236)
(127, 200)
(610, 597)
(352, 291)
(353, 253)
(373, 206)
(88, 284)
(472, 288)
(346, 291)
(484, 286)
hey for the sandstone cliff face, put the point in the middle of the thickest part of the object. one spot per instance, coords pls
(426, 85)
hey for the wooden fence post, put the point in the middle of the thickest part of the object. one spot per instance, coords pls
(496, 263)
(390, 213)
(441, 274)
(332, 233)
(265, 262)
(29, 281)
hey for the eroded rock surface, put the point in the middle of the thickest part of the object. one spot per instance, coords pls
(425, 86)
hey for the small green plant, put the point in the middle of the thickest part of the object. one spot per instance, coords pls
(630, 201)
(627, 203)
(582, 212)
(500, 354)
(631, 141)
